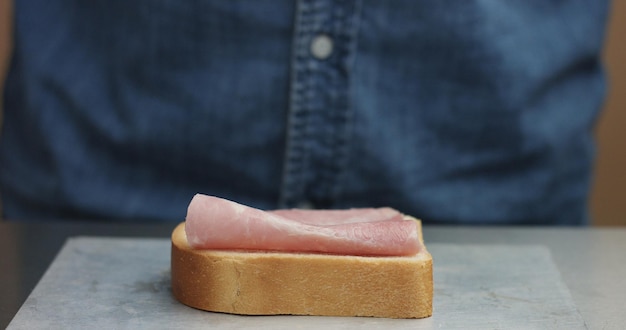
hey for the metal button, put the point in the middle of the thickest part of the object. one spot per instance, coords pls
(322, 47)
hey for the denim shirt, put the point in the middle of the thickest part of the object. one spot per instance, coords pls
(456, 112)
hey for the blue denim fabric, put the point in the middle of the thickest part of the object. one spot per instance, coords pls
(464, 112)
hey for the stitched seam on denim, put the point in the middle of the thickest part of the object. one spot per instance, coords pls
(332, 86)
(296, 152)
(348, 43)
(325, 86)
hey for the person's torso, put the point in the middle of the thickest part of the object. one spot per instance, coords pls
(477, 112)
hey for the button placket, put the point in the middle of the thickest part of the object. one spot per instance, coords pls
(324, 42)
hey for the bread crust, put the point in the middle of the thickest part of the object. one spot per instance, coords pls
(271, 283)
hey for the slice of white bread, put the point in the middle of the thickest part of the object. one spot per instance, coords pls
(271, 283)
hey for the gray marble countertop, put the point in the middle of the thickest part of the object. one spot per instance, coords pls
(573, 277)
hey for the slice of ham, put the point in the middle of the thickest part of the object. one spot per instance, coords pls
(338, 217)
(216, 223)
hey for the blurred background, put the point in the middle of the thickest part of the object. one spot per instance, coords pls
(608, 195)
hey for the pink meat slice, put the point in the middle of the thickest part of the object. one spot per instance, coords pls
(337, 217)
(216, 223)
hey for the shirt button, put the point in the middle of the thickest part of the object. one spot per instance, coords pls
(321, 47)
